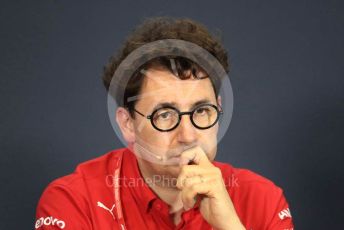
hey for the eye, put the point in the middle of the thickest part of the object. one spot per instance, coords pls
(202, 111)
(164, 115)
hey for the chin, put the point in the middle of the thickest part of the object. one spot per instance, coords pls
(172, 170)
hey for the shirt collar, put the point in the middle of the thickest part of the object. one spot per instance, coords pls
(135, 182)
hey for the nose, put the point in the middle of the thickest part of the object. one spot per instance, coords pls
(186, 131)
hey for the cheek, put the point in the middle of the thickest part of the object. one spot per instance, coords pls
(209, 141)
(151, 136)
(210, 135)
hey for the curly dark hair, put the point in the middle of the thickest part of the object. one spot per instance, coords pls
(158, 28)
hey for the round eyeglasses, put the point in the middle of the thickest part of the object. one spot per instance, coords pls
(168, 118)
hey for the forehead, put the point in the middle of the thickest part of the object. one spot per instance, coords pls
(162, 85)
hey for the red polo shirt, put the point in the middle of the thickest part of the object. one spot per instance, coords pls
(109, 193)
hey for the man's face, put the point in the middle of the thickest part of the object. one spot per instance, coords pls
(162, 87)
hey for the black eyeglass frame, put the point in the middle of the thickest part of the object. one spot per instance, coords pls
(180, 114)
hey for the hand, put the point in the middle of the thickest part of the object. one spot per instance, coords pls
(204, 180)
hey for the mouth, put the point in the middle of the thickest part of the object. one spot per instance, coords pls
(177, 152)
(179, 160)
(176, 160)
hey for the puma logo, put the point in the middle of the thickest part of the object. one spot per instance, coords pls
(101, 205)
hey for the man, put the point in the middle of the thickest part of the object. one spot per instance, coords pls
(166, 178)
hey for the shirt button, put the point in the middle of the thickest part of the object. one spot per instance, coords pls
(158, 206)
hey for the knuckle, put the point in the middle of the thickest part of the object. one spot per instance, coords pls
(186, 182)
(193, 188)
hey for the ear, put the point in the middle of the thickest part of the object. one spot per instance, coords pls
(125, 123)
(219, 101)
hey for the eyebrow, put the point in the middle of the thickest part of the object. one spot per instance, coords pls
(174, 105)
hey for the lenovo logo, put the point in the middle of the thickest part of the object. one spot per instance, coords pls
(49, 221)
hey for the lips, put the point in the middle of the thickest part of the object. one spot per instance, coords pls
(181, 160)
(176, 152)
(175, 156)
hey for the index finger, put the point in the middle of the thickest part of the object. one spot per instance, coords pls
(195, 155)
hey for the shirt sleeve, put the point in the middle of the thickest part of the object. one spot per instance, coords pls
(60, 208)
(281, 216)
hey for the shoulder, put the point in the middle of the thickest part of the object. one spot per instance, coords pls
(251, 192)
(68, 198)
(245, 178)
(89, 170)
